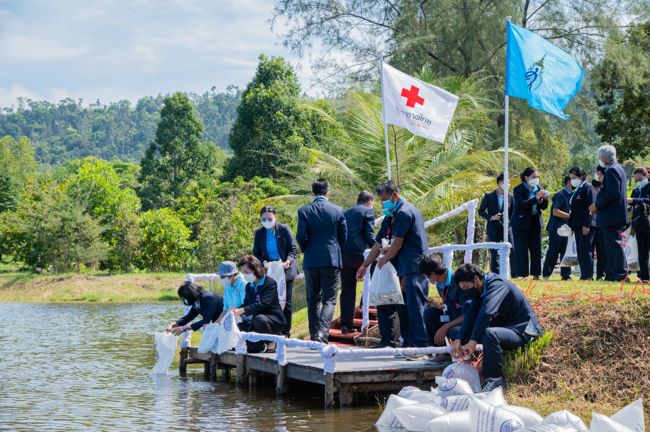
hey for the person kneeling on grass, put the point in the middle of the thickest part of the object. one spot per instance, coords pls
(261, 312)
(502, 320)
(200, 302)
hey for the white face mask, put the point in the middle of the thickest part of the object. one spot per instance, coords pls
(602, 164)
(533, 182)
(226, 282)
(250, 278)
(267, 224)
(576, 182)
(642, 183)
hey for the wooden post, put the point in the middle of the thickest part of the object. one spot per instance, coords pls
(206, 370)
(329, 390)
(281, 380)
(252, 378)
(241, 369)
(182, 365)
(346, 396)
(214, 361)
(226, 373)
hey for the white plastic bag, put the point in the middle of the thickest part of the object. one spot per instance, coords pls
(452, 387)
(458, 421)
(543, 427)
(209, 338)
(165, 348)
(385, 288)
(465, 372)
(407, 391)
(416, 417)
(570, 257)
(565, 231)
(228, 334)
(527, 415)
(628, 419)
(631, 252)
(387, 418)
(601, 423)
(422, 396)
(276, 272)
(461, 403)
(488, 418)
(566, 420)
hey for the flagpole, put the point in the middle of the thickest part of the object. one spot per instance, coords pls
(506, 174)
(383, 117)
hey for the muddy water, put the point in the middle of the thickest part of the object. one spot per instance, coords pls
(87, 367)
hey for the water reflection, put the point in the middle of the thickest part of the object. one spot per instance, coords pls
(87, 367)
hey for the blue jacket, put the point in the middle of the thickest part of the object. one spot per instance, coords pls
(501, 304)
(209, 306)
(611, 201)
(641, 196)
(523, 212)
(561, 202)
(287, 248)
(321, 233)
(582, 198)
(489, 207)
(360, 221)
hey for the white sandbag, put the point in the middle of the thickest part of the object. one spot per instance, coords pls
(466, 372)
(461, 403)
(631, 416)
(631, 250)
(416, 417)
(209, 338)
(543, 427)
(452, 386)
(458, 421)
(602, 423)
(567, 420)
(276, 272)
(406, 391)
(570, 257)
(165, 348)
(228, 335)
(488, 418)
(527, 415)
(426, 397)
(387, 418)
(385, 288)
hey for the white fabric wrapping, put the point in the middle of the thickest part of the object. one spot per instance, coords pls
(276, 272)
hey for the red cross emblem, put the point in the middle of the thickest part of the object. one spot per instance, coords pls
(412, 97)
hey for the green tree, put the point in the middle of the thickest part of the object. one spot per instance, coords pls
(17, 159)
(268, 136)
(165, 243)
(8, 193)
(177, 156)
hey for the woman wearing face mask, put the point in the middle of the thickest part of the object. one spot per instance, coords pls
(274, 242)
(261, 312)
(200, 302)
(639, 201)
(527, 222)
(584, 195)
(234, 286)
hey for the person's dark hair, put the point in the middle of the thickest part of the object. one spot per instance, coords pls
(190, 293)
(527, 172)
(641, 170)
(500, 178)
(267, 209)
(432, 264)
(320, 187)
(387, 187)
(365, 197)
(466, 273)
(254, 264)
(577, 171)
(567, 179)
(600, 169)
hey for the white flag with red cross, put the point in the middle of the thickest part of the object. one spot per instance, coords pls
(422, 108)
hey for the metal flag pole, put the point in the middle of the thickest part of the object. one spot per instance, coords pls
(506, 175)
(383, 117)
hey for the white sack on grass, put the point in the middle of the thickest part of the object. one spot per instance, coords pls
(426, 397)
(567, 420)
(527, 415)
(276, 272)
(209, 338)
(451, 422)
(228, 335)
(452, 387)
(165, 348)
(601, 423)
(488, 418)
(570, 257)
(461, 403)
(385, 288)
(416, 417)
(408, 390)
(631, 416)
(387, 418)
(543, 427)
(466, 372)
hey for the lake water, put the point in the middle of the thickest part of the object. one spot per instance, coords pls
(87, 367)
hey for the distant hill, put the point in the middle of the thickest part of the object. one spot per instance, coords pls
(67, 130)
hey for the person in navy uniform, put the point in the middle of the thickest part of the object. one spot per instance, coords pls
(597, 243)
(360, 221)
(501, 319)
(527, 222)
(321, 233)
(261, 311)
(640, 197)
(611, 213)
(200, 302)
(491, 209)
(442, 322)
(584, 195)
(274, 242)
(403, 228)
(560, 212)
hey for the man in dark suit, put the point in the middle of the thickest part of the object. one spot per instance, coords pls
(582, 197)
(611, 209)
(491, 209)
(639, 200)
(556, 243)
(274, 242)
(321, 233)
(360, 221)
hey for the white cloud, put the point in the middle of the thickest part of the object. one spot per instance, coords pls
(9, 96)
(16, 48)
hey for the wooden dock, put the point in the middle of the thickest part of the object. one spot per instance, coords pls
(353, 374)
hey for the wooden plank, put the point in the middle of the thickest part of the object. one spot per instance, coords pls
(329, 390)
(281, 380)
(241, 370)
(346, 396)
(261, 364)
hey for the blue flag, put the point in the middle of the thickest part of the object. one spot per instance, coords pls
(538, 71)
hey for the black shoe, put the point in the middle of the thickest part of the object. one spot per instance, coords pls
(492, 384)
(346, 330)
(380, 345)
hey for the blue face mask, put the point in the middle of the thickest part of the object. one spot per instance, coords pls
(388, 207)
(441, 286)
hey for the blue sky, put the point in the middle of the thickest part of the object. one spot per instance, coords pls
(124, 49)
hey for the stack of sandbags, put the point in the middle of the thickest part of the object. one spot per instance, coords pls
(453, 407)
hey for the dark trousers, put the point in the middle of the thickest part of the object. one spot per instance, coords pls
(432, 323)
(495, 340)
(585, 254)
(529, 241)
(351, 264)
(600, 256)
(260, 324)
(615, 262)
(494, 254)
(288, 308)
(556, 249)
(386, 315)
(417, 298)
(322, 286)
(643, 240)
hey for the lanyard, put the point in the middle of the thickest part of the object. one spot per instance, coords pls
(575, 192)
